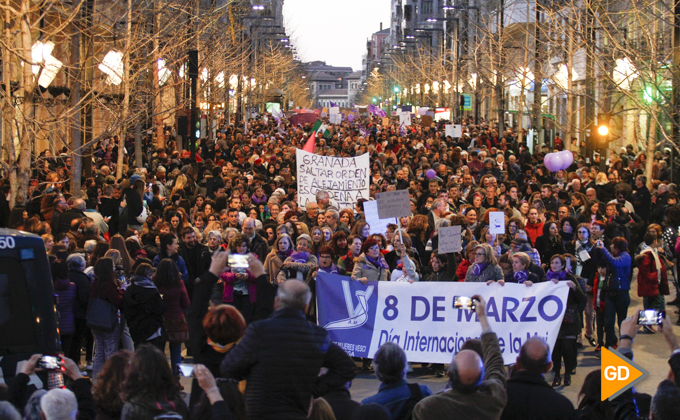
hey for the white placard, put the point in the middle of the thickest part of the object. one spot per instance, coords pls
(405, 118)
(333, 110)
(335, 118)
(345, 179)
(450, 240)
(497, 222)
(375, 223)
(394, 204)
(453, 130)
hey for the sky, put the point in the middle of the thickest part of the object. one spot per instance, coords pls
(334, 31)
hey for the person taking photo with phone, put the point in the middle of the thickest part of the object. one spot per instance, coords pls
(652, 276)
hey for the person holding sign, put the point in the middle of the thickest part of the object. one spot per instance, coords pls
(371, 265)
(485, 267)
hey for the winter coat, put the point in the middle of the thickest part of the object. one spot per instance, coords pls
(531, 398)
(363, 268)
(137, 409)
(298, 270)
(621, 264)
(462, 269)
(547, 248)
(82, 282)
(534, 230)
(66, 296)
(272, 265)
(179, 261)
(229, 279)
(176, 300)
(490, 272)
(280, 358)
(571, 323)
(648, 280)
(144, 309)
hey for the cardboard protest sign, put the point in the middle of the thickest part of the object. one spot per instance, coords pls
(386, 121)
(375, 223)
(335, 118)
(426, 121)
(497, 222)
(345, 179)
(450, 239)
(334, 110)
(394, 204)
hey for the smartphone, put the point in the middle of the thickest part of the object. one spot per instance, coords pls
(186, 370)
(238, 261)
(150, 185)
(48, 363)
(464, 302)
(651, 317)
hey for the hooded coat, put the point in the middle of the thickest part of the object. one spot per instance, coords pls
(144, 309)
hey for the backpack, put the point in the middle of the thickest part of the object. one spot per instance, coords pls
(416, 396)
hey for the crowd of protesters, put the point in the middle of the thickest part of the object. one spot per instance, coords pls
(154, 245)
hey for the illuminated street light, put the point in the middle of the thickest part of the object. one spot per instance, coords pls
(112, 66)
(41, 54)
(603, 130)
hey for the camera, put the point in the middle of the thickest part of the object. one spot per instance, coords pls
(464, 302)
(651, 317)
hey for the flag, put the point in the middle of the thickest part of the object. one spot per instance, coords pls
(371, 109)
(402, 130)
(309, 146)
(333, 105)
(316, 126)
(363, 131)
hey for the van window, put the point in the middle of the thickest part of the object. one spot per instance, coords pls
(17, 329)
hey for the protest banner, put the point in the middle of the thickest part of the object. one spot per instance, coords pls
(497, 222)
(345, 179)
(453, 130)
(421, 317)
(394, 204)
(450, 239)
(426, 121)
(375, 223)
(386, 121)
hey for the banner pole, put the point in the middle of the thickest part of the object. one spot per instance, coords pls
(399, 229)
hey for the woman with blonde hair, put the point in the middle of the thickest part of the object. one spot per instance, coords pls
(485, 267)
(180, 183)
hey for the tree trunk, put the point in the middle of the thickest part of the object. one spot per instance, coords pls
(8, 114)
(76, 127)
(26, 132)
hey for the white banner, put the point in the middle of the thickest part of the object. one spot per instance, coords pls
(345, 179)
(420, 317)
(405, 118)
(375, 223)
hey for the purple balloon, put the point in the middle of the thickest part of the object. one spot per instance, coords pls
(430, 174)
(567, 158)
(547, 161)
(350, 117)
(557, 162)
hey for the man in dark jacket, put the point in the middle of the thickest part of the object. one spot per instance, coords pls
(258, 245)
(642, 198)
(191, 252)
(76, 265)
(77, 212)
(281, 357)
(529, 395)
(144, 309)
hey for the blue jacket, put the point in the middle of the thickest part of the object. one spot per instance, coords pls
(181, 265)
(394, 397)
(622, 265)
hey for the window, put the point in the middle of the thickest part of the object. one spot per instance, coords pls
(427, 7)
(408, 10)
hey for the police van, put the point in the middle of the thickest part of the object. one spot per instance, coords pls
(28, 317)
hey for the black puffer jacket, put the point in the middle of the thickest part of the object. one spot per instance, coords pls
(144, 309)
(280, 358)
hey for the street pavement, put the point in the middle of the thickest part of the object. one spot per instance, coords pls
(650, 350)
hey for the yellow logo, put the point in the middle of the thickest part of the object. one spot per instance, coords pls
(618, 374)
